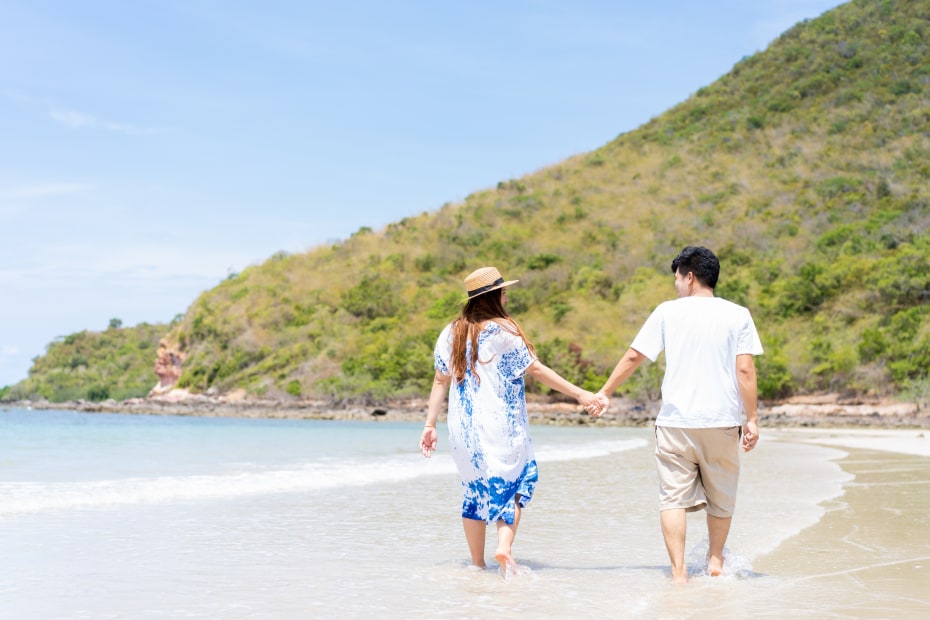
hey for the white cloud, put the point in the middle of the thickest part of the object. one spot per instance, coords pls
(42, 191)
(8, 351)
(133, 264)
(80, 120)
(17, 202)
(73, 119)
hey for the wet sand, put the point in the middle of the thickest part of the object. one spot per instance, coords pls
(872, 547)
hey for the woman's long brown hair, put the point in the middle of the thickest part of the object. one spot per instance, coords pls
(475, 314)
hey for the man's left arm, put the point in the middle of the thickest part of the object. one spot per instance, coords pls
(748, 390)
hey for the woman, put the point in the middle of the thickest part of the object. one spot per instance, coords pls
(484, 355)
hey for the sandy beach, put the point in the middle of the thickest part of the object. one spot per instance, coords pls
(871, 548)
(900, 441)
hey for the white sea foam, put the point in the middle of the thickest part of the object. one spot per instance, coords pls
(735, 565)
(16, 497)
(590, 450)
(33, 497)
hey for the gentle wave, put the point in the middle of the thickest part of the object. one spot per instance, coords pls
(590, 450)
(33, 497)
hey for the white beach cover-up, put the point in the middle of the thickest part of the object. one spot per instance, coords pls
(488, 426)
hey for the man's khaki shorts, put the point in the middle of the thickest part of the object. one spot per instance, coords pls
(698, 468)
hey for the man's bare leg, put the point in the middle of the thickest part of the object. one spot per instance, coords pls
(505, 537)
(474, 534)
(674, 526)
(717, 530)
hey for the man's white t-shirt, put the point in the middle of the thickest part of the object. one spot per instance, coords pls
(701, 337)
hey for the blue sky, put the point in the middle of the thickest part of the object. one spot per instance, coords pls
(150, 148)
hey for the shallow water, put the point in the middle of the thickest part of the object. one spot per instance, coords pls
(109, 516)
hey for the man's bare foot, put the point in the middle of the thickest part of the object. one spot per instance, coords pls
(714, 566)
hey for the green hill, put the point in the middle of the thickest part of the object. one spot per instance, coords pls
(116, 363)
(805, 168)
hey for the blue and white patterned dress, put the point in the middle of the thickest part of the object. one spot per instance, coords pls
(488, 427)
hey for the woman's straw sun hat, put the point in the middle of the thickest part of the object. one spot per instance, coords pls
(485, 280)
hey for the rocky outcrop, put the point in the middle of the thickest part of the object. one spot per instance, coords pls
(167, 366)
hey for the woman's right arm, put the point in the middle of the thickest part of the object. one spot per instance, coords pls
(437, 397)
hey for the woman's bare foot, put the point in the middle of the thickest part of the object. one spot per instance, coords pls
(506, 560)
(714, 566)
(681, 578)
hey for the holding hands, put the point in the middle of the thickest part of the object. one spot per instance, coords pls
(595, 404)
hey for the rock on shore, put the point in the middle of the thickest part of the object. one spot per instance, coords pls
(825, 410)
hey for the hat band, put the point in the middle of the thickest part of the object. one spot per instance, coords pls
(486, 288)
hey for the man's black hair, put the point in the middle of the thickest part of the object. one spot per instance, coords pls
(701, 262)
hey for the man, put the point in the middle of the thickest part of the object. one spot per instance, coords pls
(710, 380)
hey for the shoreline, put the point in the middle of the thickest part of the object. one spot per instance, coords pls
(821, 411)
(865, 556)
(908, 442)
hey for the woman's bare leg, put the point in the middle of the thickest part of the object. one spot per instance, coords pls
(475, 534)
(506, 533)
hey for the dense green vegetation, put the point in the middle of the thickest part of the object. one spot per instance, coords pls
(116, 363)
(805, 168)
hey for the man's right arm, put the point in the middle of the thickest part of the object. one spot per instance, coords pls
(748, 391)
(622, 371)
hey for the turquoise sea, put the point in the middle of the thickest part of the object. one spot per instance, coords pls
(129, 516)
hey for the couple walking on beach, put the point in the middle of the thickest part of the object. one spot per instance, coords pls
(710, 382)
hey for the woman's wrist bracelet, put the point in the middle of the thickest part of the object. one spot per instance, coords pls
(429, 426)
